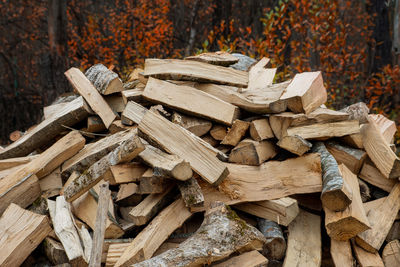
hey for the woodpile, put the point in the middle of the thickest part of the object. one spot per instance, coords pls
(195, 163)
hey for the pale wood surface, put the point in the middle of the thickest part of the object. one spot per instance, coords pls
(126, 173)
(14, 162)
(387, 127)
(260, 77)
(260, 129)
(358, 111)
(116, 102)
(247, 259)
(132, 95)
(126, 191)
(195, 125)
(322, 131)
(235, 133)
(221, 58)
(51, 184)
(341, 253)
(351, 157)
(250, 152)
(367, 259)
(294, 144)
(133, 113)
(86, 89)
(49, 111)
(353, 140)
(114, 253)
(218, 132)
(372, 175)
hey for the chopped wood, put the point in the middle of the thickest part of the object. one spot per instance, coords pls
(116, 102)
(275, 247)
(391, 253)
(358, 111)
(282, 211)
(209, 243)
(304, 241)
(95, 125)
(126, 190)
(152, 184)
(14, 162)
(114, 253)
(220, 58)
(372, 175)
(250, 152)
(294, 144)
(118, 126)
(126, 173)
(169, 136)
(21, 232)
(341, 253)
(133, 113)
(54, 251)
(235, 133)
(175, 69)
(191, 193)
(190, 101)
(387, 127)
(195, 125)
(210, 140)
(247, 259)
(72, 113)
(49, 111)
(135, 74)
(367, 259)
(14, 136)
(260, 129)
(51, 184)
(218, 132)
(155, 233)
(379, 151)
(261, 77)
(353, 140)
(106, 81)
(86, 89)
(133, 95)
(394, 232)
(351, 157)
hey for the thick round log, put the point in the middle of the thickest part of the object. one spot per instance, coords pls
(275, 247)
(106, 81)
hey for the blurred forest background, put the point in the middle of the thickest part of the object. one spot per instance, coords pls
(356, 44)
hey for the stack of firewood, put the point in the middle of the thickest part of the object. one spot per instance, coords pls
(202, 161)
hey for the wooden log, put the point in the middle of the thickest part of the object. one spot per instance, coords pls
(165, 164)
(135, 74)
(387, 127)
(341, 253)
(152, 184)
(195, 125)
(114, 253)
(200, 248)
(104, 80)
(351, 157)
(348, 223)
(260, 76)
(358, 111)
(182, 98)
(323, 131)
(376, 204)
(149, 207)
(175, 69)
(66, 231)
(21, 232)
(72, 113)
(275, 247)
(134, 95)
(235, 133)
(100, 227)
(128, 150)
(304, 241)
(250, 152)
(92, 153)
(191, 193)
(218, 132)
(372, 175)
(391, 253)
(14, 162)
(365, 258)
(247, 259)
(126, 191)
(117, 126)
(116, 102)
(394, 232)
(51, 184)
(220, 58)
(86, 89)
(154, 234)
(379, 151)
(54, 251)
(336, 194)
(126, 173)
(95, 125)
(353, 140)
(169, 136)
(210, 140)
(133, 113)
(49, 111)
(260, 129)
(381, 219)
(294, 144)
(282, 211)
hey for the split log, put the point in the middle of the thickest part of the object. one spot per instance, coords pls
(71, 114)
(133, 113)
(387, 127)
(14, 162)
(166, 165)
(220, 223)
(282, 211)
(351, 157)
(195, 125)
(49, 111)
(51, 184)
(175, 69)
(247, 259)
(353, 140)
(260, 76)
(336, 194)
(190, 101)
(117, 126)
(21, 232)
(381, 219)
(245, 62)
(126, 173)
(379, 151)
(218, 132)
(210, 140)
(54, 251)
(66, 231)
(106, 81)
(86, 89)
(260, 129)
(372, 175)
(116, 102)
(341, 253)
(154, 234)
(358, 111)
(135, 74)
(302, 175)
(220, 58)
(250, 152)
(95, 125)
(114, 253)
(376, 204)
(294, 144)
(304, 241)
(170, 137)
(367, 259)
(150, 206)
(128, 194)
(394, 232)
(346, 224)
(305, 93)
(391, 253)
(128, 150)
(86, 239)
(275, 247)
(133, 95)
(191, 193)
(235, 133)
(152, 184)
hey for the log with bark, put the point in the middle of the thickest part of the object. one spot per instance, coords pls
(106, 81)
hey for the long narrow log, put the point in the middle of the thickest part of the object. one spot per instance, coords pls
(275, 247)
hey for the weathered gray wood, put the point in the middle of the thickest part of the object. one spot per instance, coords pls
(106, 81)
(191, 193)
(275, 247)
(54, 251)
(353, 158)
(133, 113)
(358, 111)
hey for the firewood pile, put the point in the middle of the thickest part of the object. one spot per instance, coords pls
(200, 162)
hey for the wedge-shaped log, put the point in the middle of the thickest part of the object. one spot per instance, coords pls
(260, 76)
(353, 140)
(235, 133)
(367, 259)
(155, 233)
(191, 193)
(260, 129)
(247, 259)
(133, 113)
(6, 164)
(128, 150)
(341, 253)
(305, 93)
(171, 137)
(381, 219)
(191, 101)
(220, 224)
(351, 157)
(358, 111)
(106, 81)
(275, 247)
(132, 95)
(295, 144)
(323, 131)
(346, 224)
(336, 194)
(387, 127)
(250, 152)
(94, 125)
(218, 132)
(220, 58)
(86, 89)
(72, 113)
(175, 69)
(391, 253)
(372, 175)
(304, 241)
(126, 173)
(379, 150)
(21, 232)
(116, 102)
(195, 125)
(152, 184)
